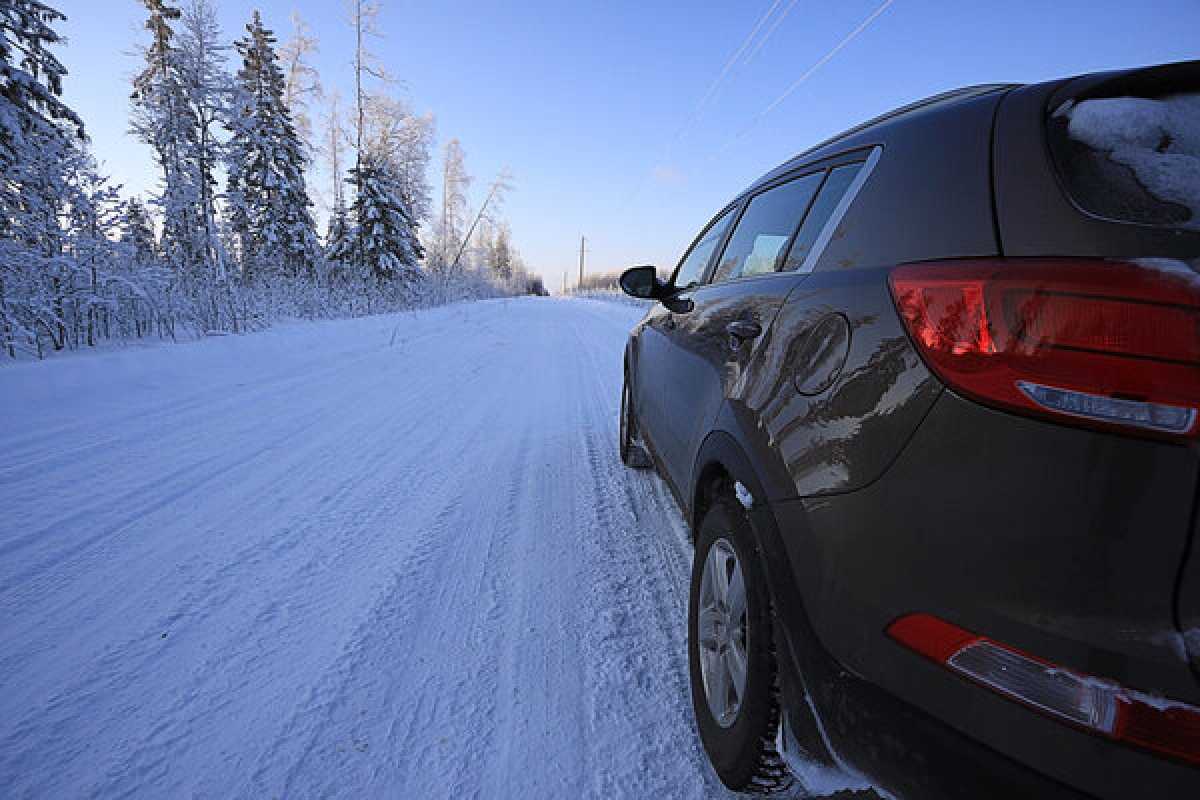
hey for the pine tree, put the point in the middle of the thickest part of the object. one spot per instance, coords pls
(385, 237)
(270, 209)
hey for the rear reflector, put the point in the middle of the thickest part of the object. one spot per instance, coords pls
(1102, 343)
(1093, 704)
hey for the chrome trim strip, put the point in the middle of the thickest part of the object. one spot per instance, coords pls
(843, 206)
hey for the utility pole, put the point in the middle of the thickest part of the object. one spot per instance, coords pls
(582, 242)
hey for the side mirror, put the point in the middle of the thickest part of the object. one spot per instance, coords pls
(642, 282)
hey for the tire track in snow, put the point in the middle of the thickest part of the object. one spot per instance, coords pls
(441, 583)
(372, 518)
(642, 582)
(211, 596)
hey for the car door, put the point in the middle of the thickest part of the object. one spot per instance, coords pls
(713, 341)
(656, 338)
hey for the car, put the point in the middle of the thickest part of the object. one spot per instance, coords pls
(928, 396)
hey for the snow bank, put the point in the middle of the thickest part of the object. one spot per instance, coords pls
(612, 296)
(1159, 139)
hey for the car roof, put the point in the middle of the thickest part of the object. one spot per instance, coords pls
(942, 102)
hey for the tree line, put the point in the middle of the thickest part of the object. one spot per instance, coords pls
(228, 240)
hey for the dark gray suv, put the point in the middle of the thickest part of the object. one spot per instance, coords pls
(928, 394)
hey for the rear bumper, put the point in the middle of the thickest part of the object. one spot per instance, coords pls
(908, 752)
(1061, 542)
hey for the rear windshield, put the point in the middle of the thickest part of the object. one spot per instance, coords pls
(1132, 159)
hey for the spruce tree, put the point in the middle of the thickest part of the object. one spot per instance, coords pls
(37, 134)
(30, 77)
(385, 235)
(164, 120)
(339, 240)
(270, 211)
(32, 117)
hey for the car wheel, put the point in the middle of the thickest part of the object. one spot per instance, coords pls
(632, 453)
(731, 655)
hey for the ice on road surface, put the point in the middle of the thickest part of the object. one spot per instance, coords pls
(314, 562)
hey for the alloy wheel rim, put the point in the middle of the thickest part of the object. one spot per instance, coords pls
(722, 634)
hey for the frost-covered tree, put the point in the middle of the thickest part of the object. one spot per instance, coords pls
(92, 223)
(31, 113)
(448, 232)
(500, 253)
(408, 142)
(302, 82)
(334, 147)
(269, 205)
(137, 232)
(339, 238)
(30, 77)
(208, 89)
(163, 118)
(385, 237)
(404, 141)
(38, 133)
(364, 20)
(32, 264)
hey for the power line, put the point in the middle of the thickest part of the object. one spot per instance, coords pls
(778, 21)
(712, 88)
(725, 70)
(807, 74)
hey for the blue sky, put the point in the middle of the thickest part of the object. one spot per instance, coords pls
(593, 106)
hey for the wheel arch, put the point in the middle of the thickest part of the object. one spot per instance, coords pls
(721, 462)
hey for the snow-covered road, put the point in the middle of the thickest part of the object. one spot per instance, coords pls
(317, 561)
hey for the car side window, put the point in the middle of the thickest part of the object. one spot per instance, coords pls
(822, 209)
(765, 228)
(691, 269)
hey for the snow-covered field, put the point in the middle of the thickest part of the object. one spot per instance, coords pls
(384, 557)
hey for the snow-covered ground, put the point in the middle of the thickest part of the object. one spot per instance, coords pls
(384, 557)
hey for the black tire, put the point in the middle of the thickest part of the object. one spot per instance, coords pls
(632, 453)
(743, 753)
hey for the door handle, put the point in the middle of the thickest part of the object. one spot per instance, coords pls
(742, 329)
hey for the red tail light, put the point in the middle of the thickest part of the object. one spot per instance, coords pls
(1095, 705)
(1106, 344)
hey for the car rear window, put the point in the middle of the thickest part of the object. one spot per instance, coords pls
(1131, 158)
